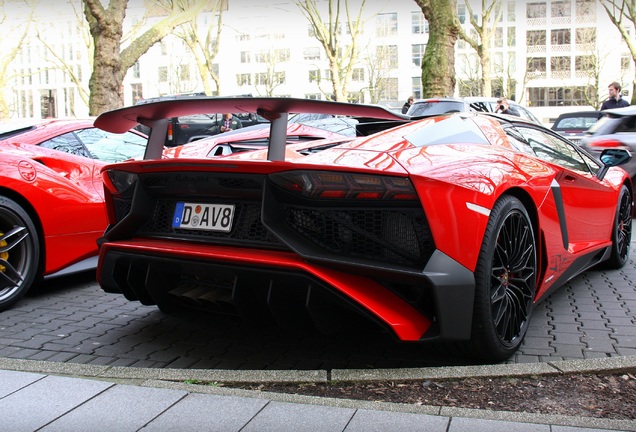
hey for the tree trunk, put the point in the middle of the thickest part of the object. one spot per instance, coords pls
(438, 63)
(110, 64)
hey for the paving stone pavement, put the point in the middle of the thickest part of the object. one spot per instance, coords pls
(71, 320)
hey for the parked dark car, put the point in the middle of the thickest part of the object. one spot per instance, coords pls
(615, 129)
(183, 129)
(436, 106)
(573, 125)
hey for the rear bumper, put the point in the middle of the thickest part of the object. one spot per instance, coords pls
(260, 284)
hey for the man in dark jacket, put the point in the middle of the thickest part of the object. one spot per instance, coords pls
(615, 100)
(407, 105)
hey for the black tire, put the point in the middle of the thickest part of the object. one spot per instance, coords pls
(505, 282)
(621, 231)
(19, 253)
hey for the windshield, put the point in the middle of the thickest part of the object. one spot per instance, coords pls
(435, 107)
(605, 125)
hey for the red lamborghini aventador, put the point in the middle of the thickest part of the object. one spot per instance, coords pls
(447, 228)
(52, 199)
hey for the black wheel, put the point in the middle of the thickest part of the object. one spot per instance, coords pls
(19, 253)
(505, 282)
(621, 231)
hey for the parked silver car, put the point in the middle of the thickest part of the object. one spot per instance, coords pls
(615, 129)
(436, 106)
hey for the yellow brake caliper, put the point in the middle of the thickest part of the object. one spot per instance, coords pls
(3, 255)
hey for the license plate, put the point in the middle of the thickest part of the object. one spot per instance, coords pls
(210, 217)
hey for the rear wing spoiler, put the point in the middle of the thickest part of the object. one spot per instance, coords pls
(156, 115)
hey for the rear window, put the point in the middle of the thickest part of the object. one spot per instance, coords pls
(435, 108)
(579, 123)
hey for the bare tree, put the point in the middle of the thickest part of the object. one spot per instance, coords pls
(490, 17)
(377, 75)
(111, 61)
(342, 53)
(205, 49)
(14, 33)
(590, 66)
(438, 63)
(266, 82)
(621, 13)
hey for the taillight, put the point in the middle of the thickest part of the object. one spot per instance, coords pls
(169, 131)
(607, 143)
(119, 181)
(337, 185)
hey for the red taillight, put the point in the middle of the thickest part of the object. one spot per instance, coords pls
(169, 131)
(606, 143)
(337, 185)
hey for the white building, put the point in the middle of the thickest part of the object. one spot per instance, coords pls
(546, 52)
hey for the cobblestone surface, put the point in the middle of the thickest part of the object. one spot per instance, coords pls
(72, 320)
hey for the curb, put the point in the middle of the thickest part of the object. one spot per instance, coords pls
(175, 379)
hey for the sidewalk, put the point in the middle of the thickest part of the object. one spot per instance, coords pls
(48, 396)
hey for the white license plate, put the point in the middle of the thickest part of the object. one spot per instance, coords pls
(210, 217)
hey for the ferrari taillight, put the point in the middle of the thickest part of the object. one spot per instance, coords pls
(606, 143)
(336, 185)
(119, 181)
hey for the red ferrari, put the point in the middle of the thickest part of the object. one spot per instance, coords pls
(52, 199)
(447, 228)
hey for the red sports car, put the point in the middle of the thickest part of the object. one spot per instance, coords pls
(448, 228)
(52, 199)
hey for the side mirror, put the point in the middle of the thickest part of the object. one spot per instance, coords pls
(610, 158)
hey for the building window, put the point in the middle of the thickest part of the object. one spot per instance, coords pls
(162, 74)
(511, 11)
(312, 53)
(387, 56)
(279, 78)
(184, 72)
(419, 25)
(245, 57)
(389, 90)
(137, 92)
(535, 38)
(163, 47)
(536, 10)
(417, 52)
(243, 79)
(416, 87)
(560, 67)
(560, 37)
(136, 73)
(498, 37)
(512, 36)
(537, 67)
(260, 78)
(559, 9)
(461, 13)
(327, 74)
(357, 74)
(585, 38)
(314, 75)
(282, 55)
(584, 66)
(626, 63)
(585, 8)
(262, 57)
(386, 24)
(314, 96)
(558, 96)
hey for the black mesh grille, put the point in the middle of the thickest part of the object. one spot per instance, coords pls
(398, 236)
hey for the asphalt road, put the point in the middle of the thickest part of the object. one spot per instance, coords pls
(72, 320)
